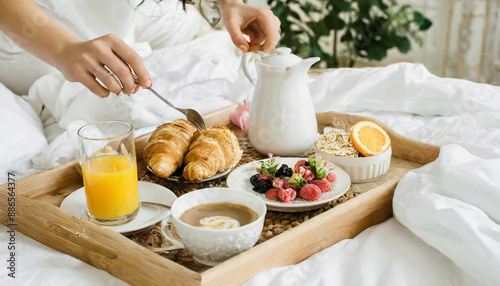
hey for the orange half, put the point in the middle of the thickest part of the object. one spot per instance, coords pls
(369, 138)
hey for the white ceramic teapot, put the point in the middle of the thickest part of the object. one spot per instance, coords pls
(282, 120)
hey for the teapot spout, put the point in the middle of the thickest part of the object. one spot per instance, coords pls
(305, 65)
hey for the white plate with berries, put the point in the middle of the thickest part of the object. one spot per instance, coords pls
(291, 184)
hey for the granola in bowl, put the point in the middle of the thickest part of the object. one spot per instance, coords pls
(337, 142)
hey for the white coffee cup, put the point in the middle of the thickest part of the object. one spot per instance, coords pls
(213, 246)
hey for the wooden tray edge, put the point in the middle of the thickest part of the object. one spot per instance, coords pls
(100, 247)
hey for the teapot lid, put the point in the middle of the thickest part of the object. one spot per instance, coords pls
(282, 58)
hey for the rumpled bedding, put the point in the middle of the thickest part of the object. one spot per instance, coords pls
(445, 229)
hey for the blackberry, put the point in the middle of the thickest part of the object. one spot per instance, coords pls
(254, 179)
(288, 172)
(284, 171)
(263, 186)
(307, 163)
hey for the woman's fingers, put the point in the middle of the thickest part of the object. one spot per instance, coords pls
(240, 18)
(127, 54)
(87, 61)
(120, 69)
(89, 81)
(137, 87)
(107, 79)
(233, 27)
(256, 36)
(270, 28)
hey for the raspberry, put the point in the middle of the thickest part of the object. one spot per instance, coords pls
(279, 183)
(308, 174)
(300, 163)
(286, 185)
(287, 195)
(264, 177)
(331, 177)
(272, 194)
(323, 185)
(310, 192)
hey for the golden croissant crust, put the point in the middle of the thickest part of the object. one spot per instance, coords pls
(213, 150)
(167, 147)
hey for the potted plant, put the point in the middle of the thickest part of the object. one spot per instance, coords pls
(340, 31)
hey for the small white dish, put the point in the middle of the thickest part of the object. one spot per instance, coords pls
(361, 169)
(148, 215)
(239, 179)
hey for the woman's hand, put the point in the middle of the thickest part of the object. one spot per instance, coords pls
(258, 23)
(84, 62)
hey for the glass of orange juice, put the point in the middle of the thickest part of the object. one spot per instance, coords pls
(109, 170)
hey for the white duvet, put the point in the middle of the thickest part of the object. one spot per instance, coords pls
(446, 228)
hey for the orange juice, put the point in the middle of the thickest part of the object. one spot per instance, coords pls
(110, 186)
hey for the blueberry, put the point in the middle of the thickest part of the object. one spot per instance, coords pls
(284, 171)
(288, 172)
(254, 179)
(263, 186)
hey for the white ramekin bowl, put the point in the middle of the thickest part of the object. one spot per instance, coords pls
(213, 246)
(361, 169)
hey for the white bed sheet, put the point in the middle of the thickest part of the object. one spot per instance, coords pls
(446, 226)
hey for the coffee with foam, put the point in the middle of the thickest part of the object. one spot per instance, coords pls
(219, 216)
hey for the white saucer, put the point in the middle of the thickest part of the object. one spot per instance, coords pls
(148, 214)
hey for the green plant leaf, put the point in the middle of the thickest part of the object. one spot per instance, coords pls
(364, 4)
(347, 37)
(389, 40)
(422, 22)
(376, 51)
(319, 29)
(425, 25)
(419, 41)
(403, 44)
(315, 49)
(334, 22)
(361, 36)
(417, 17)
(377, 3)
(294, 14)
(340, 5)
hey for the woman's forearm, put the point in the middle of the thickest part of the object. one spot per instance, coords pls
(33, 30)
(83, 61)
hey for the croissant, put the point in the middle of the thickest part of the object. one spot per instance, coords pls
(213, 150)
(167, 147)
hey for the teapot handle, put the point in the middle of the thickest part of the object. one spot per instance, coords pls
(245, 62)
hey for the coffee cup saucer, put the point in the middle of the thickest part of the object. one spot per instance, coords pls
(155, 207)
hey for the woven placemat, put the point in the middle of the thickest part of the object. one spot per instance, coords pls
(275, 222)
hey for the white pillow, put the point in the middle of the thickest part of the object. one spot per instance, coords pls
(21, 133)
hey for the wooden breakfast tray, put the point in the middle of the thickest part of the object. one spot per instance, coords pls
(38, 215)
